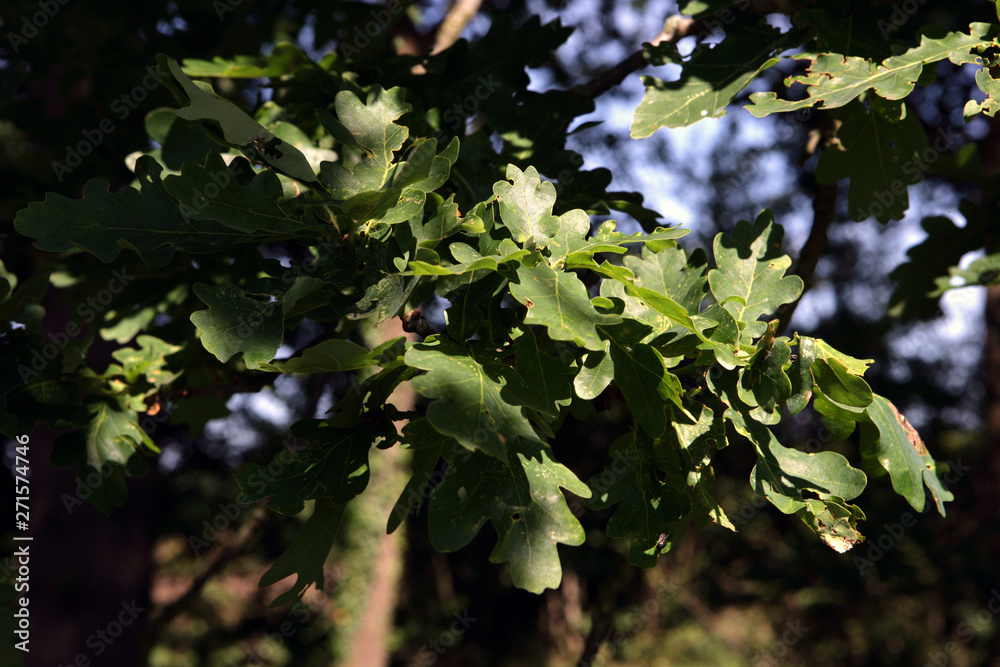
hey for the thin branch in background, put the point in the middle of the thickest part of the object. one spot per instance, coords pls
(614, 585)
(454, 23)
(599, 632)
(675, 28)
(824, 207)
(162, 616)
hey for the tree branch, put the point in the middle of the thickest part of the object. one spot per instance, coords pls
(675, 28)
(613, 586)
(824, 207)
(454, 23)
(162, 617)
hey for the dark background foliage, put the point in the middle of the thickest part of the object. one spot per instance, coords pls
(731, 597)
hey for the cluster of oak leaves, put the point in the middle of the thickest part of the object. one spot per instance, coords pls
(545, 314)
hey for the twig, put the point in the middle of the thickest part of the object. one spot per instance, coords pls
(161, 617)
(316, 385)
(616, 583)
(824, 207)
(675, 28)
(595, 639)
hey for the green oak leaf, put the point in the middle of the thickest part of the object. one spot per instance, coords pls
(648, 387)
(900, 450)
(820, 349)
(880, 157)
(750, 280)
(330, 356)
(146, 221)
(439, 226)
(252, 208)
(148, 362)
(526, 207)
(234, 126)
(559, 301)
(671, 273)
(695, 440)
(697, 324)
(333, 469)
(19, 295)
(307, 554)
(839, 385)
(385, 298)
(369, 125)
(989, 85)
(800, 376)
(983, 272)
(784, 475)
(375, 194)
(668, 272)
(469, 404)
(597, 370)
(427, 447)
(572, 244)
(710, 78)
(114, 435)
(835, 521)
(542, 381)
(838, 420)
(108, 449)
(647, 507)
(469, 261)
(765, 377)
(521, 498)
(475, 304)
(238, 321)
(285, 58)
(835, 80)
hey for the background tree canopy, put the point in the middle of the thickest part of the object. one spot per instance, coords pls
(452, 333)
